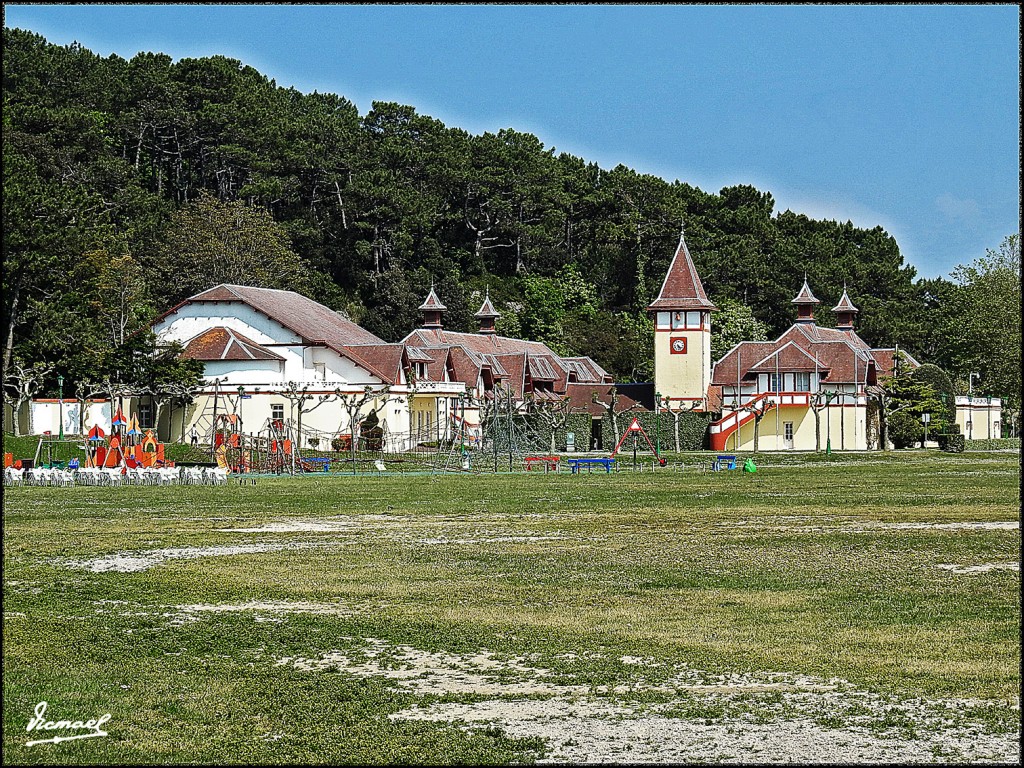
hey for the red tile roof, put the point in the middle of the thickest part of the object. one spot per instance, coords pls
(438, 369)
(581, 398)
(788, 357)
(839, 356)
(885, 358)
(682, 288)
(736, 363)
(515, 368)
(385, 361)
(487, 309)
(222, 343)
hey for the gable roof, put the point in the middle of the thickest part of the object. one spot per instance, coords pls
(311, 321)
(682, 288)
(885, 360)
(223, 343)
(514, 366)
(788, 357)
(838, 356)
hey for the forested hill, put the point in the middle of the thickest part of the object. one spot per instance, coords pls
(124, 181)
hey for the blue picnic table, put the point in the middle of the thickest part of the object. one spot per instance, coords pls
(577, 464)
(322, 464)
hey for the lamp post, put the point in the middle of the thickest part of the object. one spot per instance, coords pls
(657, 423)
(60, 395)
(462, 424)
(241, 396)
(213, 434)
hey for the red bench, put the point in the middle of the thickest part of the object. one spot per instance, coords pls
(550, 463)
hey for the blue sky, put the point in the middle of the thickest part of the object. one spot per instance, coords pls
(901, 116)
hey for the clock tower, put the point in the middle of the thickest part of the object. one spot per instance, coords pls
(682, 334)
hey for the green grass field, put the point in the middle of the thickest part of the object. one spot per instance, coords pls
(855, 608)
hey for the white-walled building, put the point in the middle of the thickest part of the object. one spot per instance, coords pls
(256, 343)
(979, 417)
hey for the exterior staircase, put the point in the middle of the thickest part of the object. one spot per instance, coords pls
(733, 420)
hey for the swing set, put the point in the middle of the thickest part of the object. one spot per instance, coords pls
(636, 431)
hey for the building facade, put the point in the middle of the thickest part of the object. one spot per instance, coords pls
(275, 357)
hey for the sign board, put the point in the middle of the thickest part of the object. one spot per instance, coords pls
(570, 441)
(635, 426)
(926, 417)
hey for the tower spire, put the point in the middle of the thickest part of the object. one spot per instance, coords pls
(432, 309)
(487, 314)
(805, 303)
(845, 312)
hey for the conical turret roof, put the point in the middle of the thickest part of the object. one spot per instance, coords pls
(432, 302)
(682, 288)
(845, 305)
(805, 296)
(487, 309)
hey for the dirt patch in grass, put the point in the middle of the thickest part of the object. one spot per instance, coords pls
(698, 716)
(982, 568)
(131, 562)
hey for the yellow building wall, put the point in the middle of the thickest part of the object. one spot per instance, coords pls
(682, 375)
(984, 421)
(845, 427)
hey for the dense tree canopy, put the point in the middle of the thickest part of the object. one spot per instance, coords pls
(137, 170)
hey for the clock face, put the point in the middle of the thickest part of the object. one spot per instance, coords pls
(679, 346)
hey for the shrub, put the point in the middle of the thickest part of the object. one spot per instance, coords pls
(951, 443)
(905, 430)
(693, 429)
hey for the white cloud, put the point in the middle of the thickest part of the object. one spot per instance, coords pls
(955, 208)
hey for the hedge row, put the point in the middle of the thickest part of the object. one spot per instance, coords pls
(693, 429)
(993, 445)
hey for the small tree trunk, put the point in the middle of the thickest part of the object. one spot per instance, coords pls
(12, 316)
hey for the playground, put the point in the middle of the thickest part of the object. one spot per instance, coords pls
(504, 444)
